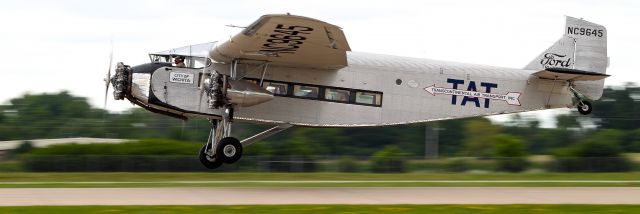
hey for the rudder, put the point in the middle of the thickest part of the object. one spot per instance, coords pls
(583, 47)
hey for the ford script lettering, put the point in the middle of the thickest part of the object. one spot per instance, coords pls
(551, 60)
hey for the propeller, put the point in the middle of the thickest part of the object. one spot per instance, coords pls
(107, 79)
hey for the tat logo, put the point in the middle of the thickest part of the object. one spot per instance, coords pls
(551, 60)
(472, 95)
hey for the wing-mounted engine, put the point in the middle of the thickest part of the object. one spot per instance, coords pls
(222, 92)
(214, 86)
(245, 93)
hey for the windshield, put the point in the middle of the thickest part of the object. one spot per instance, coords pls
(189, 61)
(195, 56)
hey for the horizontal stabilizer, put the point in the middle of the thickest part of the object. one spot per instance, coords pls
(569, 74)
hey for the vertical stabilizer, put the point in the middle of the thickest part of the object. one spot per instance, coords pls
(583, 47)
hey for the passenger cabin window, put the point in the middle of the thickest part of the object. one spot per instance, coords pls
(275, 88)
(369, 98)
(305, 91)
(337, 94)
(322, 93)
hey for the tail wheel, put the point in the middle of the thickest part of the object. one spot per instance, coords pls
(207, 160)
(585, 107)
(229, 150)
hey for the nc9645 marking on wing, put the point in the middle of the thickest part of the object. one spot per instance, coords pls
(286, 39)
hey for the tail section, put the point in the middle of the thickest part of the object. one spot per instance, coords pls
(582, 47)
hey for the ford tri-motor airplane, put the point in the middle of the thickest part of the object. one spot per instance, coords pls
(290, 70)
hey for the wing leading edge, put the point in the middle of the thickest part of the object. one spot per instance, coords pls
(287, 40)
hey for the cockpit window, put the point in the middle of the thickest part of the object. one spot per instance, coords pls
(159, 58)
(195, 56)
(195, 62)
(189, 61)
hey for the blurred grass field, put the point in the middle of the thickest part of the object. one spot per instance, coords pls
(353, 209)
(167, 179)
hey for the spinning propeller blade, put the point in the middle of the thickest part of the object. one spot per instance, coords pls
(108, 77)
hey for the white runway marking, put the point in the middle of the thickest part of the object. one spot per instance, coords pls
(333, 195)
(314, 182)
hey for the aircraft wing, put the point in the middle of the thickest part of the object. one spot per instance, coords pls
(287, 40)
(569, 74)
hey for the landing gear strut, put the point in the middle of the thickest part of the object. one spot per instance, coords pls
(582, 103)
(221, 147)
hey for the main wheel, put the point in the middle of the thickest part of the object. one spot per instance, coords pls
(207, 160)
(229, 150)
(585, 107)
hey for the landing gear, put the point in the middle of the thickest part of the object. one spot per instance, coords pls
(582, 103)
(220, 147)
(229, 150)
(208, 160)
(585, 107)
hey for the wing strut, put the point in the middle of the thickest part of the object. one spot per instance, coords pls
(553, 87)
(265, 134)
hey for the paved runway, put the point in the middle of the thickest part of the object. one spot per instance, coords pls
(365, 195)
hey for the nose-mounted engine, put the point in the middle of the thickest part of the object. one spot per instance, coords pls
(120, 81)
(178, 91)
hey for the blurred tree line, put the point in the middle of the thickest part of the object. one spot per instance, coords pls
(613, 124)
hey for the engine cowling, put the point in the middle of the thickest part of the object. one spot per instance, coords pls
(245, 93)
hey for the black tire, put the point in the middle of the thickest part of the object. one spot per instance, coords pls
(207, 160)
(585, 107)
(229, 150)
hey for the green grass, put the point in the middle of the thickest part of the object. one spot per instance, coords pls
(283, 209)
(246, 179)
(11, 166)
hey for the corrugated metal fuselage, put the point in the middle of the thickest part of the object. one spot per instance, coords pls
(405, 84)
(413, 90)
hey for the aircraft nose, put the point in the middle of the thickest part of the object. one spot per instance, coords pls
(120, 81)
